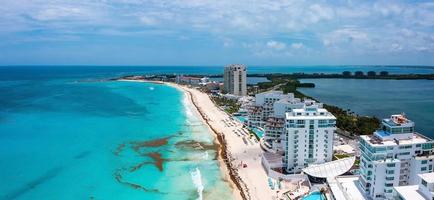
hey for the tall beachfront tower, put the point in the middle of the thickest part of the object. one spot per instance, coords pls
(309, 137)
(235, 79)
(393, 156)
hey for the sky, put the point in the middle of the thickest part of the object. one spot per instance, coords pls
(216, 32)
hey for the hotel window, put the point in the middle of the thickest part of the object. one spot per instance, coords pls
(424, 161)
(423, 169)
(424, 183)
(391, 165)
(390, 171)
(388, 184)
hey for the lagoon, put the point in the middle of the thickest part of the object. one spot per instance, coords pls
(380, 98)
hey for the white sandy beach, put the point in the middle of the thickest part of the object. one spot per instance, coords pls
(252, 180)
(247, 183)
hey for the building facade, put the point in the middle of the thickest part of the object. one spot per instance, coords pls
(393, 156)
(235, 79)
(422, 191)
(264, 107)
(309, 137)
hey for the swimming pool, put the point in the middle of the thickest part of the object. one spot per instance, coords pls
(314, 196)
(242, 119)
(258, 132)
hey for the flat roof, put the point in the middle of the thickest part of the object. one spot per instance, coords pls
(409, 192)
(331, 169)
(345, 148)
(376, 141)
(428, 177)
(346, 187)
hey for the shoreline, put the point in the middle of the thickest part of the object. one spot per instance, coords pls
(239, 155)
(224, 166)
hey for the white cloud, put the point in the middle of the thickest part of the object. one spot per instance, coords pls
(276, 45)
(149, 21)
(346, 26)
(297, 45)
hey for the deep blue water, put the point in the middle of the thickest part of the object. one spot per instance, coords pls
(380, 98)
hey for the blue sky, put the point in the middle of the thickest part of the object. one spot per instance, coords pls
(210, 32)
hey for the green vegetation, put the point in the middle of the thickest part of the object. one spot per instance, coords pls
(349, 75)
(346, 120)
(230, 105)
(357, 163)
(340, 156)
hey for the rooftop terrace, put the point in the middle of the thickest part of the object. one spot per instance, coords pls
(415, 139)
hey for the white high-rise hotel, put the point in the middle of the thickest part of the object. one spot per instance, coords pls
(235, 79)
(301, 131)
(393, 156)
(308, 137)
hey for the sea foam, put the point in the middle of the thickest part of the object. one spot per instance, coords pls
(197, 181)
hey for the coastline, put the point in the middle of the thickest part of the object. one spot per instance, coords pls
(227, 172)
(250, 182)
(221, 151)
(239, 156)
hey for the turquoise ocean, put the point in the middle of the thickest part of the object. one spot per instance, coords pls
(77, 138)
(67, 133)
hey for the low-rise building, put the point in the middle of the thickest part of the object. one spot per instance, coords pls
(196, 81)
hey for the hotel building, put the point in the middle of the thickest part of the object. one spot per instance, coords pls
(308, 136)
(263, 107)
(422, 191)
(393, 156)
(235, 79)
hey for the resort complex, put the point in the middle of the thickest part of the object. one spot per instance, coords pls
(300, 131)
(279, 146)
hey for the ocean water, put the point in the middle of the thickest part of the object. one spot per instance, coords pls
(67, 134)
(48, 72)
(380, 98)
(65, 138)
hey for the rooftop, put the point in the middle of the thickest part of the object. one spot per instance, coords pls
(416, 138)
(409, 192)
(305, 113)
(331, 169)
(398, 120)
(346, 187)
(428, 177)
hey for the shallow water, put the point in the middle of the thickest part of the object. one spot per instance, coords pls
(63, 139)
